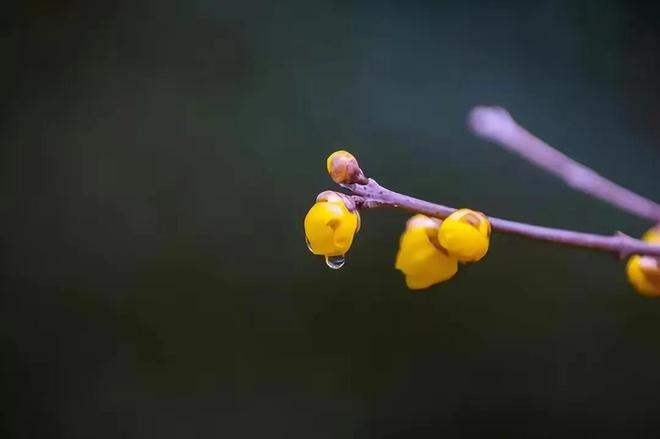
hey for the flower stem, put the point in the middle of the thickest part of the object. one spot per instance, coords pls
(373, 195)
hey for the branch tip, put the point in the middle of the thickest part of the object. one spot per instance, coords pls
(490, 121)
(497, 125)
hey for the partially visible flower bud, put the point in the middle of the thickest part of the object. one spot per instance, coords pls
(330, 225)
(465, 234)
(421, 259)
(644, 271)
(344, 169)
(652, 235)
(644, 274)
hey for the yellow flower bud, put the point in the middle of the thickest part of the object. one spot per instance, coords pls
(644, 274)
(344, 169)
(644, 271)
(465, 234)
(423, 262)
(330, 226)
(652, 235)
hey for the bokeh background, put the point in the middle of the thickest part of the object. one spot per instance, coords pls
(157, 159)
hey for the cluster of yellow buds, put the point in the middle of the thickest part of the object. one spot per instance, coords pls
(644, 271)
(333, 221)
(430, 249)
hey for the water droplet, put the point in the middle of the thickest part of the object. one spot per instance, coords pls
(335, 262)
(309, 245)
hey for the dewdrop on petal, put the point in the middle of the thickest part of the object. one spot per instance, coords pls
(465, 234)
(330, 226)
(420, 257)
(644, 271)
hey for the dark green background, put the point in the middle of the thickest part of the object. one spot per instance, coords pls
(157, 160)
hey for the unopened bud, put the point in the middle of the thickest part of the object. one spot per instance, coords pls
(344, 168)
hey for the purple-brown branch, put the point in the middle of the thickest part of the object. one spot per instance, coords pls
(373, 195)
(497, 125)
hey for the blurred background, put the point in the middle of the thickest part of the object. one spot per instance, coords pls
(157, 159)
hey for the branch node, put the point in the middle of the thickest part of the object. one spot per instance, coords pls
(624, 244)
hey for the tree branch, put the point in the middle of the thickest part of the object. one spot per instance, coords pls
(373, 195)
(497, 125)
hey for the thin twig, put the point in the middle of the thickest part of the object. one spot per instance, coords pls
(373, 195)
(497, 125)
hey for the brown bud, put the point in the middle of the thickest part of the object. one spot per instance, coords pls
(344, 168)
